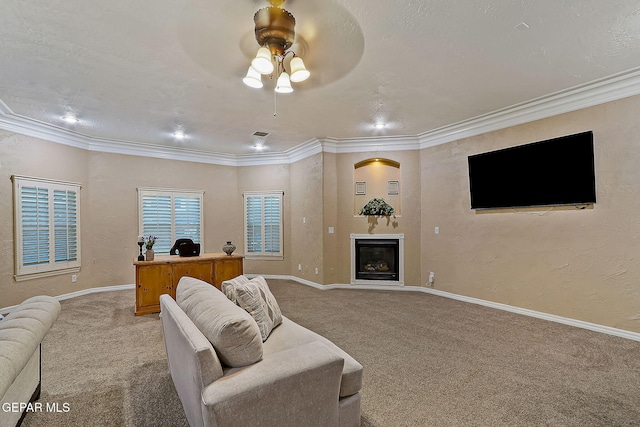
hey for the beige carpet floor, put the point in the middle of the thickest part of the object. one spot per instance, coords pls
(429, 361)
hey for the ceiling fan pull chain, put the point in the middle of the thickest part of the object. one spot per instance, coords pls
(275, 93)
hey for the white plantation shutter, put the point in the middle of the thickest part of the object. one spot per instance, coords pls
(65, 225)
(272, 229)
(170, 215)
(187, 213)
(253, 228)
(156, 220)
(34, 202)
(47, 223)
(263, 224)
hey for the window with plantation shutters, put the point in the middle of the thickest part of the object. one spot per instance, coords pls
(47, 227)
(263, 224)
(170, 215)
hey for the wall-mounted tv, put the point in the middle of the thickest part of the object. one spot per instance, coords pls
(554, 172)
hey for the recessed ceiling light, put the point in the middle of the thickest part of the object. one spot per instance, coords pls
(259, 147)
(379, 125)
(179, 134)
(70, 118)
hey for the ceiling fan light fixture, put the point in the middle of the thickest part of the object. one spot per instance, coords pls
(283, 84)
(253, 78)
(299, 73)
(275, 33)
(262, 62)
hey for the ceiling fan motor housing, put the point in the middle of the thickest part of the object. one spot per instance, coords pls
(275, 29)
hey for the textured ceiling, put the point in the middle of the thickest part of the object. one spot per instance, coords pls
(137, 71)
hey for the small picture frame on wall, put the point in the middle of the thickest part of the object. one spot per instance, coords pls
(361, 188)
(393, 188)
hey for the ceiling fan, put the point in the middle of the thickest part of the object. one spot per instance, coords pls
(275, 34)
(327, 36)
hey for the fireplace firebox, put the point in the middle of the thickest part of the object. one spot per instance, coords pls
(377, 259)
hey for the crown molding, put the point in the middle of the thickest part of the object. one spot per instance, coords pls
(4, 109)
(368, 144)
(612, 88)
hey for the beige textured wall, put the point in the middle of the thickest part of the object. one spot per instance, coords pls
(114, 205)
(581, 264)
(330, 256)
(109, 218)
(266, 178)
(348, 223)
(307, 227)
(24, 155)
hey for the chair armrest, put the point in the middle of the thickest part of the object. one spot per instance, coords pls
(294, 387)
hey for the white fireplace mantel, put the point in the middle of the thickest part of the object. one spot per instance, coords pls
(399, 237)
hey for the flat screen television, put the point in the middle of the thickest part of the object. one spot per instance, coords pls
(554, 172)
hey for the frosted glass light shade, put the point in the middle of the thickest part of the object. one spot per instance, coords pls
(253, 78)
(283, 85)
(262, 62)
(298, 71)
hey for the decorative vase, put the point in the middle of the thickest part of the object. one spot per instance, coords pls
(229, 248)
(150, 254)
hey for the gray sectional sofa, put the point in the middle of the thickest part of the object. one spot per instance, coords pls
(227, 373)
(21, 335)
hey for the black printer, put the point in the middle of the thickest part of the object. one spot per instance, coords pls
(185, 247)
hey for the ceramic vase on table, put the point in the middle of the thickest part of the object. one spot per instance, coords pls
(228, 248)
(150, 255)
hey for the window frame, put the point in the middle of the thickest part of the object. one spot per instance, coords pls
(173, 193)
(263, 254)
(24, 272)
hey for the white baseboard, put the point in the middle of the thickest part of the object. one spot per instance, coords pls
(80, 293)
(518, 310)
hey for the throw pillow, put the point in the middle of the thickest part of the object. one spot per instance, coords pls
(231, 330)
(256, 298)
(228, 287)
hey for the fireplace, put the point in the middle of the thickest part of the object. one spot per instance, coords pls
(377, 259)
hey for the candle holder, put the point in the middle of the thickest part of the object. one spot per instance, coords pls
(140, 257)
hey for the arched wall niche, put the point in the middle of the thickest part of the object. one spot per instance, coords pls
(377, 178)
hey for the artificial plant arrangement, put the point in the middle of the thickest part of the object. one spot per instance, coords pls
(150, 241)
(377, 207)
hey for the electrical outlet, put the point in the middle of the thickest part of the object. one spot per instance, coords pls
(316, 270)
(432, 277)
(299, 267)
(74, 278)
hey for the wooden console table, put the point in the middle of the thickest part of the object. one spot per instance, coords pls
(161, 276)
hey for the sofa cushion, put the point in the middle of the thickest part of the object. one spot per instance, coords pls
(256, 298)
(21, 332)
(231, 330)
(289, 334)
(228, 287)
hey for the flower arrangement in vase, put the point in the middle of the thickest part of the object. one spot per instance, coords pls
(149, 241)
